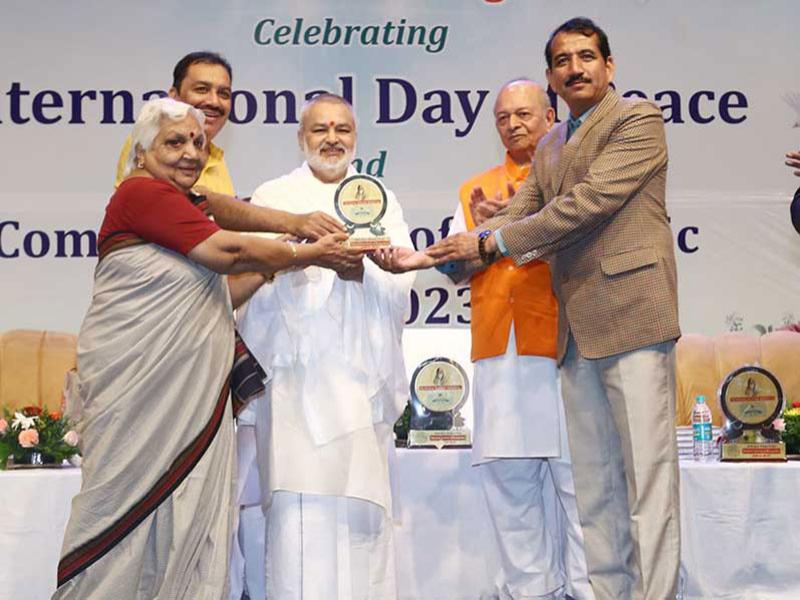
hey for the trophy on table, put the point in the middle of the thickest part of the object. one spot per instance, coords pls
(751, 398)
(361, 201)
(439, 389)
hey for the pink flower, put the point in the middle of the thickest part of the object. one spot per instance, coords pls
(3, 426)
(72, 438)
(28, 438)
(779, 425)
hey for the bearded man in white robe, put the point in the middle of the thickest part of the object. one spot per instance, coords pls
(332, 343)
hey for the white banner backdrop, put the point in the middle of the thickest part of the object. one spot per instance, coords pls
(422, 77)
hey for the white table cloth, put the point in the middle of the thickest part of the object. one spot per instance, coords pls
(739, 532)
(738, 521)
(34, 508)
(444, 542)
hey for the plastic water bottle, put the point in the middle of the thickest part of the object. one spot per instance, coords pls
(703, 445)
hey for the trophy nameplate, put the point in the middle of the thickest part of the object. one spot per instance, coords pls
(439, 389)
(751, 398)
(361, 201)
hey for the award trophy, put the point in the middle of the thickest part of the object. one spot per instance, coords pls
(439, 388)
(360, 202)
(751, 398)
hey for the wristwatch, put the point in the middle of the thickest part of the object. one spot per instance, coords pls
(486, 257)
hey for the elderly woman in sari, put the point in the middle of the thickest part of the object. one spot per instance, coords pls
(154, 515)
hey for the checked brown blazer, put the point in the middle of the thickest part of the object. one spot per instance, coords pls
(594, 207)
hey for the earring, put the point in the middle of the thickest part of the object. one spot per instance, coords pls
(140, 164)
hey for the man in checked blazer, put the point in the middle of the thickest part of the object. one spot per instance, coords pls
(593, 205)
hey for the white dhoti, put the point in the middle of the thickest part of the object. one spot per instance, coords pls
(522, 451)
(328, 547)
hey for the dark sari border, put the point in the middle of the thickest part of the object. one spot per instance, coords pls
(116, 241)
(247, 376)
(81, 558)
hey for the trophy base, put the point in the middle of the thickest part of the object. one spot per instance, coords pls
(744, 451)
(453, 438)
(368, 243)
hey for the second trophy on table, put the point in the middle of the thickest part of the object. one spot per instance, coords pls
(439, 389)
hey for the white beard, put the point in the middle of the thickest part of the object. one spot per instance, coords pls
(330, 170)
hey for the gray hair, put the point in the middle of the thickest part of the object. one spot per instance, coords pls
(330, 99)
(148, 124)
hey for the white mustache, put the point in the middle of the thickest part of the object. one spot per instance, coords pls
(337, 146)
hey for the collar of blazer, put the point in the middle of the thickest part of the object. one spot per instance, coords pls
(569, 150)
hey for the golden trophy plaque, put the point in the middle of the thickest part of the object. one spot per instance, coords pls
(439, 389)
(361, 201)
(751, 398)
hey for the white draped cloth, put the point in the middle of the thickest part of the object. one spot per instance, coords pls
(325, 425)
(334, 351)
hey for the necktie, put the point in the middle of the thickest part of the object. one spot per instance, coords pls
(572, 125)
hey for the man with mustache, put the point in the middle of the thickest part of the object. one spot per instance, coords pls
(324, 430)
(203, 80)
(520, 445)
(594, 206)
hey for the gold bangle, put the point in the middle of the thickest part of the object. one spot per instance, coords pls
(294, 251)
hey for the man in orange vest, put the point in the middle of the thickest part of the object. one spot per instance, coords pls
(520, 440)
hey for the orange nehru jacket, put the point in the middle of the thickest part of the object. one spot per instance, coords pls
(504, 293)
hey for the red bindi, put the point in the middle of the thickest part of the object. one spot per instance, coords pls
(331, 124)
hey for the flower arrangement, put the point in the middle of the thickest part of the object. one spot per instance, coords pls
(34, 431)
(791, 428)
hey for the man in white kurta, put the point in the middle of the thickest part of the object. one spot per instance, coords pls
(332, 343)
(520, 439)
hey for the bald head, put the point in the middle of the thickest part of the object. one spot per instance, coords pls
(522, 115)
(525, 89)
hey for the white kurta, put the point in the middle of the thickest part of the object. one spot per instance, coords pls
(334, 350)
(515, 401)
(519, 414)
